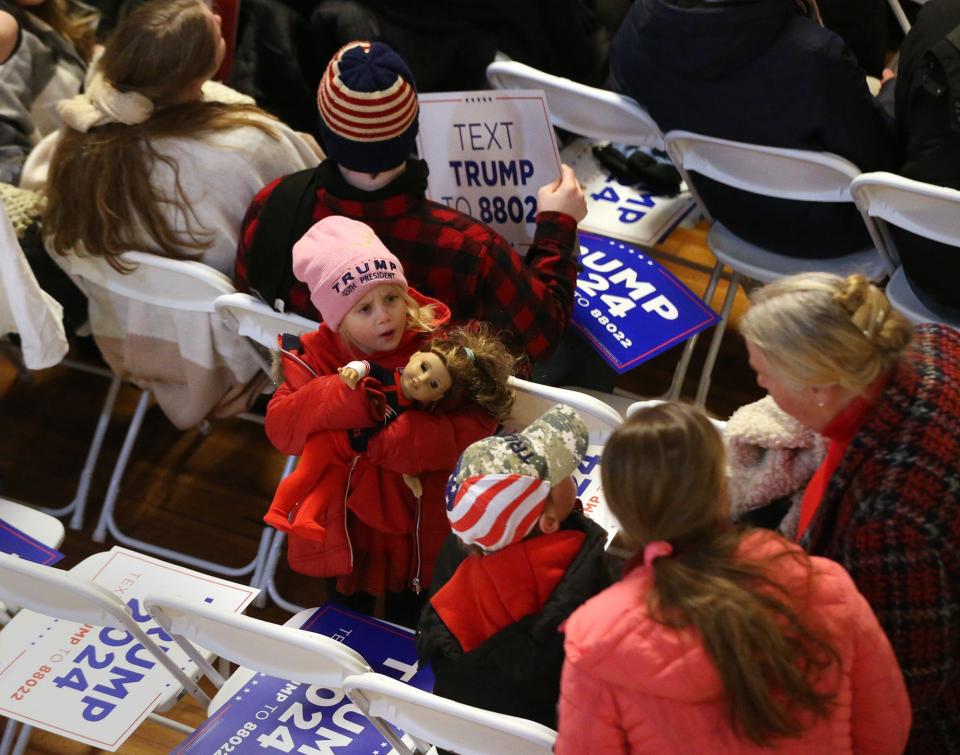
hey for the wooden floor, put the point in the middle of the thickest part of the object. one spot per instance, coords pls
(207, 493)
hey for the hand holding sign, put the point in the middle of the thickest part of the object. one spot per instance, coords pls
(565, 195)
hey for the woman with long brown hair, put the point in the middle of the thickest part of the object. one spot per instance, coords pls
(45, 46)
(718, 640)
(147, 161)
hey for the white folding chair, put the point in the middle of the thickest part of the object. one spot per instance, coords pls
(42, 527)
(720, 424)
(430, 720)
(581, 109)
(53, 592)
(172, 301)
(285, 652)
(259, 325)
(801, 175)
(921, 208)
(533, 399)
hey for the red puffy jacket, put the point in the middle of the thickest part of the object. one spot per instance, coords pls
(381, 544)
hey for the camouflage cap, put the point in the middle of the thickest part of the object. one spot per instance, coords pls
(500, 483)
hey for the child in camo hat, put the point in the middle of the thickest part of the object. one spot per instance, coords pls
(490, 629)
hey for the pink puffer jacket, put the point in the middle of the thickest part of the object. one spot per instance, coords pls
(633, 685)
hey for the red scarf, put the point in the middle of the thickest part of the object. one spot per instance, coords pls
(839, 432)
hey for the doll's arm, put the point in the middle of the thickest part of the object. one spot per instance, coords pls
(353, 372)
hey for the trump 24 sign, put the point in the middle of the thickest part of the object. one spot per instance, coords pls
(629, 306)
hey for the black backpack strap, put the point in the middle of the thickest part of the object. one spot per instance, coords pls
(284, 218)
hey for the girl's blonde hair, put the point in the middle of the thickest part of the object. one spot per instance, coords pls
(664, 478)
(100, 196)
(479, 365)
(819, 329)
(74, 25)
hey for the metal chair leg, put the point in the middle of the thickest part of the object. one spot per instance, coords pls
(680, 373)
(78, 505)
(108, 524)
(704, 386)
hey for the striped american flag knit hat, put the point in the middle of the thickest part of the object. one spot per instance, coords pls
(368, 108)
(497, 491)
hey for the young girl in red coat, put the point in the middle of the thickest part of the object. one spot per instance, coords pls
(379, 537)
(716, 639)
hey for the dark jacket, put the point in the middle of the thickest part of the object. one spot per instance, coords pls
(891, 517)
(516, 670)
(757, 72)
(928, 125)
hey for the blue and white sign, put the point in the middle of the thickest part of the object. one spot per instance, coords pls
(272, 715)
(20, 544)
(620, 211)
(629, 306)
(95, 684)
(489, 152)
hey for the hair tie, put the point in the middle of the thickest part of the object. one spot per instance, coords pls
(656, 549)
(470, 355)
(102, 103)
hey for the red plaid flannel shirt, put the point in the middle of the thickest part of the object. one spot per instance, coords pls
(458, 260)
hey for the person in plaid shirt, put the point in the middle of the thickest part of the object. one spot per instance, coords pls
(446, 254)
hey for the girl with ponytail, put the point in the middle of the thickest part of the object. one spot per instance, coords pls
(718, 639)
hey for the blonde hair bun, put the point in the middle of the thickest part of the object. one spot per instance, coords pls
(871, 312)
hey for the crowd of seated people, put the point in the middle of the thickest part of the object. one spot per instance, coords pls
(841, 631)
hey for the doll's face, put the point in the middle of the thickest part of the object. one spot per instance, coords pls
(425, 378)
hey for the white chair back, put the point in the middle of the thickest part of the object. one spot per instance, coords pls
(797, 174)
(25, 308)
(259, 324)
(921, 208)
(280, 651)
(460, 728)
(581, 109)
(255, 320)
(533, 399)
(720, 424)
(53, 592)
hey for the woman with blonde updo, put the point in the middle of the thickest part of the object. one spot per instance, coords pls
(718, 639)
(149, 161)
(885, 502)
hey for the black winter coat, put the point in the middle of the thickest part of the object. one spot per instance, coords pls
(928, 123)
(517, 670)
(758, 72)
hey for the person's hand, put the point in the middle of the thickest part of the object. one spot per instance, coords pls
(563, 195)
(349, 376)
(887, 75)
(413, 482)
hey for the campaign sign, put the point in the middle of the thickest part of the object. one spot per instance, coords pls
(631, 307)
(587, 480)
(488, 153)
(92, 684)
(271, 715)
(18, 543)
(619, 210)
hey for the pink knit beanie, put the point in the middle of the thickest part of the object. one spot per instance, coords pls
(341, 260)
